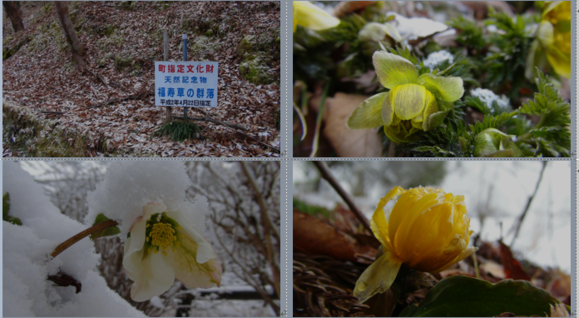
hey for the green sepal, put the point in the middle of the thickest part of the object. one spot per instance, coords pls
(109, 231)
(435, 120)
(393, 70)
(448, 89)
(378, 277)
(6, 209)
(369, 114)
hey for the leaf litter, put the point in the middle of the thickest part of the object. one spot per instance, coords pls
(121, 46)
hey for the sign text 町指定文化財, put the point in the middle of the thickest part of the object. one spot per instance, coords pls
(186, 84)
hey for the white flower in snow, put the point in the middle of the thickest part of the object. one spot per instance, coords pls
(163, 246)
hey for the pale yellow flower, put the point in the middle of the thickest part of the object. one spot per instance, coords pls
(162, 246)
(312, 17)
(554, 36)
(427, 229)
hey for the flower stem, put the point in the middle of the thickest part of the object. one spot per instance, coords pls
(71, 241)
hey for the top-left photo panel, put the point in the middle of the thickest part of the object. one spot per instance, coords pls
(141, 79)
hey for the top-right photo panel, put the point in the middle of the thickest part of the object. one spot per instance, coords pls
(432, 79)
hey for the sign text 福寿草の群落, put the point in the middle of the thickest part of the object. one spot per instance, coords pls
(186, 84)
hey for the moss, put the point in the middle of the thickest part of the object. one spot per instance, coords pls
(109, 29)
(209, 33)
(201, 47)
(47, 8)
(122, 62)
(257, 54)
(255, 70)
(28, 136)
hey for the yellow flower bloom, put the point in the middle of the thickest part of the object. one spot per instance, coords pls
(427, 229)
(311, 16)
(414, 103)
(554, 35)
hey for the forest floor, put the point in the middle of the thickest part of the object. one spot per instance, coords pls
(53, 109)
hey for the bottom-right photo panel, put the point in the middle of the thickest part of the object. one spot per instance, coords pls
(432, 238)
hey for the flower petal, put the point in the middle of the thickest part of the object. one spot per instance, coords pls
(378, 277)
(312, 16)
(187, 268)
(448, 89)
(155, 276)
(204, 251)
(379, 223)
(393, 70)
(388, 117)
(408, 100)
(134, 246)
(369, 114)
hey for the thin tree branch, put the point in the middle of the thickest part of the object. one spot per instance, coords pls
(529, 201)
(327, 174)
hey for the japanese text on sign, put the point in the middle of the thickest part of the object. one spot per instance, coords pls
(188, 84)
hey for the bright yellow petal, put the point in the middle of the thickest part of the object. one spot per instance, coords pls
(378, 277)
(312, 16)
(408, 100)
(379, 218)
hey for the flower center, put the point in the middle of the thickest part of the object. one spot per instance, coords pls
(161, 235)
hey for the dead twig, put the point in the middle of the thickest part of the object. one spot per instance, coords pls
(215, 121)
(51, 112)
(231, 126)
(327, 174)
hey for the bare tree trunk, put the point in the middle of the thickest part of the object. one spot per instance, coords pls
(14, 14)
(68, 29)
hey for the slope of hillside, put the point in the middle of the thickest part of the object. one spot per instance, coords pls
(53, 108)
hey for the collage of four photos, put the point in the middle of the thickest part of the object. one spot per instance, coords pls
(289, 158)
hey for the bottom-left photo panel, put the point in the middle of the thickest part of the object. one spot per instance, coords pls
(141, 238)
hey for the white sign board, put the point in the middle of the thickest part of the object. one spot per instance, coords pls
(186, 84)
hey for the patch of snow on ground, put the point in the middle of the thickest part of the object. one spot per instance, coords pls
(26, 249)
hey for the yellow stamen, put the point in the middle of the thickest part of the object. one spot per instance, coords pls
(163, 235)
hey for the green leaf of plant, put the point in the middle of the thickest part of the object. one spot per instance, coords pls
(109, 231)
(6, 209)
(461, 296)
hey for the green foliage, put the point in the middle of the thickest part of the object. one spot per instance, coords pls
(490, 121)
(179, 131)
(443, 141)
(310, 209)
(109, 231)
(505, 65)
(6, 209)
(404, 52)
(461, 296)
(470, 35)
(346, 31)
(550, 137)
